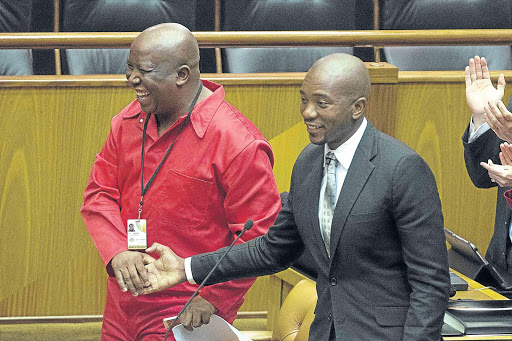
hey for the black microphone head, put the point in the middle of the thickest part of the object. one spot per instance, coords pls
(248, 224)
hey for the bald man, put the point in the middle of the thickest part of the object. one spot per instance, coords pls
(365, 206)
(205, 170)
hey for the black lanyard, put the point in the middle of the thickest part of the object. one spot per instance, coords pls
(143, 189)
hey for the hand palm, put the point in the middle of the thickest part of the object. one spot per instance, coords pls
(480, 93)
(162, 273)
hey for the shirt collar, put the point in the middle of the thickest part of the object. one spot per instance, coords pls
(345, 153)
(203, 112)
(201, 115)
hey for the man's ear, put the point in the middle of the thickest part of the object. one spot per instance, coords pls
(183, 75)
(359, 108)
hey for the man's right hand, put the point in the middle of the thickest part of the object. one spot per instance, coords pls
(130, 272)
(479, 89)
(164, 272)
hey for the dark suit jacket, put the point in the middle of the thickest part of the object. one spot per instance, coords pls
(388, 277)
(486, 147)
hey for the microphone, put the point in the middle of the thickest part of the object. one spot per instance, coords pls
(247, 226)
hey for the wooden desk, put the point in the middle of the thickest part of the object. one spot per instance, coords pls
(478, 292)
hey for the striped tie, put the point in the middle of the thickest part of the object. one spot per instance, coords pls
(329, 201)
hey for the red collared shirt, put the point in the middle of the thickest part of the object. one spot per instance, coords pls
(217, 176)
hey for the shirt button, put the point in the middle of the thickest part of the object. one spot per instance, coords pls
(333, 281)
(141, 120)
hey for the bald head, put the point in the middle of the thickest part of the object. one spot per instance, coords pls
(334, 95)
(344, 70)
(163, 69)
(172, 43)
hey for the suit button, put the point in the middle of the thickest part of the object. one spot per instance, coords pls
(329, 317)
(333, 281)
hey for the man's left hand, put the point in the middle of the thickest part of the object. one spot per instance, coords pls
(197, 313)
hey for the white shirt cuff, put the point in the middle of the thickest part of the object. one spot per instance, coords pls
(474, 134)
(188, 270)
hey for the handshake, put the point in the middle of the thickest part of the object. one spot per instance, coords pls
(140, 273)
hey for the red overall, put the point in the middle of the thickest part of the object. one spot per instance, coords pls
(217, 176)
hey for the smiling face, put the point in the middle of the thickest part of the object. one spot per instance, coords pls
(163, 69)
(326, 112)
(152, 77)
(332, 104)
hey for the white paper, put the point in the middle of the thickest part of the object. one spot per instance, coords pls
(217, 330)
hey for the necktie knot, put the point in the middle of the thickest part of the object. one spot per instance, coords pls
(331, 162)
(330, 158)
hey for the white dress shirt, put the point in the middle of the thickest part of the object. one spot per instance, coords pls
(474, 134)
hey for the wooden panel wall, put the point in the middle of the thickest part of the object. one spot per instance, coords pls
(49, 140)
(50, 135)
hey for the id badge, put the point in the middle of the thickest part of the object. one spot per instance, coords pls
(136, 232)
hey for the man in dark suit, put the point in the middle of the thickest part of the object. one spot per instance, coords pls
(481, 143)
(365, 206)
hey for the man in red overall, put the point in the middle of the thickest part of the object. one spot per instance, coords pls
(181, 167)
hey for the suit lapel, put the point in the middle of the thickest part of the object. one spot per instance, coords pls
(357, 176)
(312, 185)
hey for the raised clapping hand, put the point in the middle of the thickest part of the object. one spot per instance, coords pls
(164, 272)
(479, 89)
(501, 174)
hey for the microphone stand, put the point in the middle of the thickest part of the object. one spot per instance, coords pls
(248, 224)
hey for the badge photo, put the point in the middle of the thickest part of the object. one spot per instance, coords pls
(136, 234)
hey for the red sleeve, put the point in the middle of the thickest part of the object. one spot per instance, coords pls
(251, 190)
(101, 209)
(251, 193)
